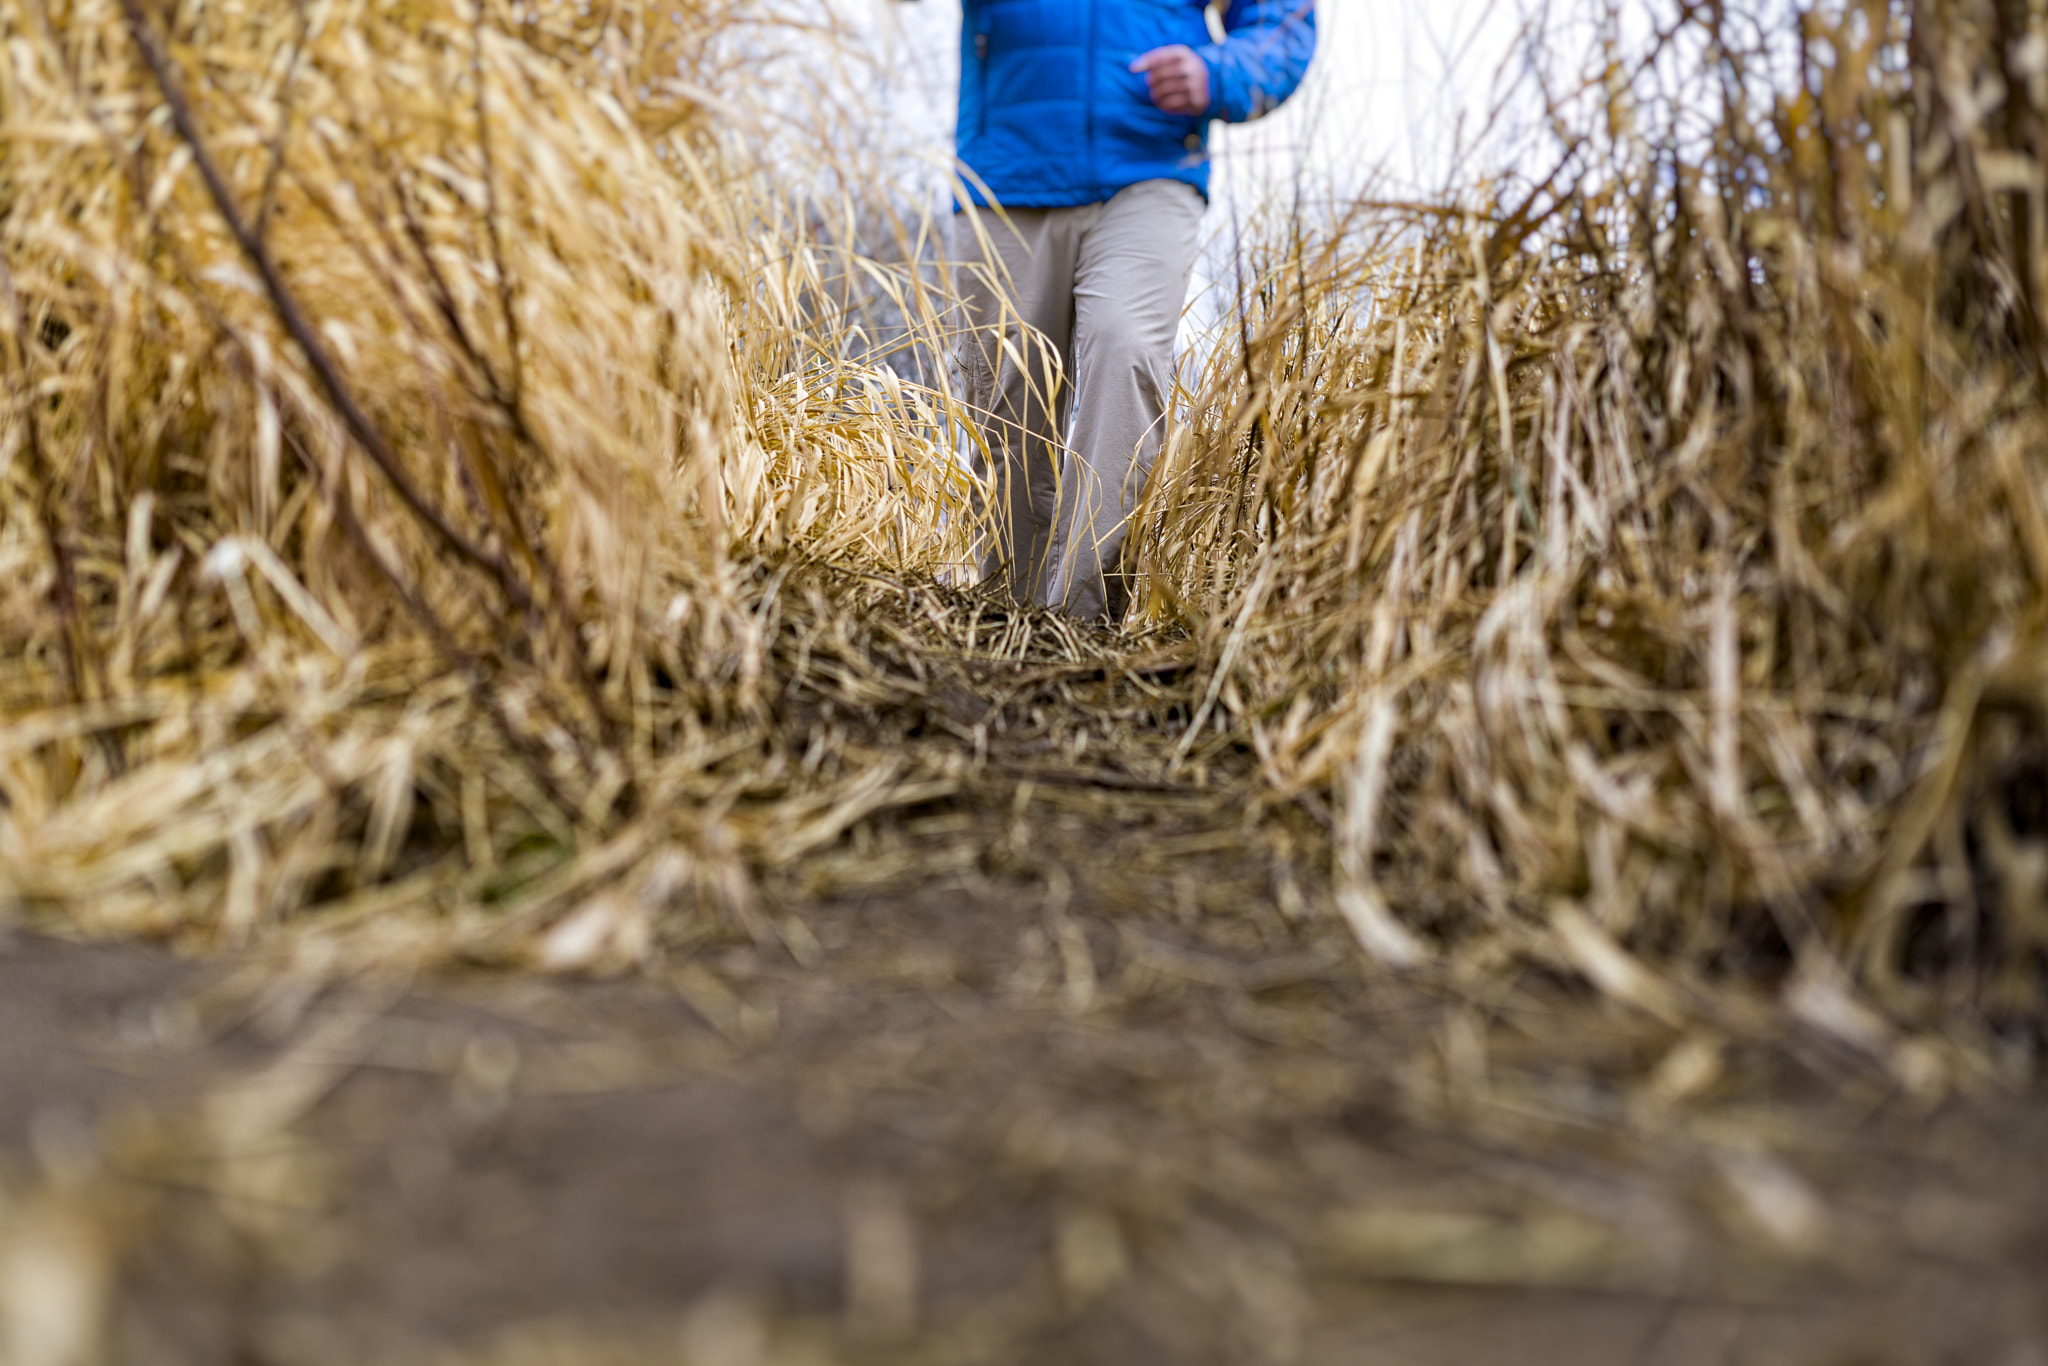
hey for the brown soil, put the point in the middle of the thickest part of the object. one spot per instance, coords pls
(1000, 1116)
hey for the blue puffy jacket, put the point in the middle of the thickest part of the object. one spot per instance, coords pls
(1051, 115)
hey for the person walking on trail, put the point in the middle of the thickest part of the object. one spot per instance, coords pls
(1082, 136)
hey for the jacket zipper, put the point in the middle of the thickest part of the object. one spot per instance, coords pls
(981, 80)
(1089, 77)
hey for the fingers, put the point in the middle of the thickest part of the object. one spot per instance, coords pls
(1175, 78)
(1175, 93)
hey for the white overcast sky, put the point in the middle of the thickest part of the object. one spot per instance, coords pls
(1395, 85)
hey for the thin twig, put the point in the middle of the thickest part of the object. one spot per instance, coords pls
(358, 423)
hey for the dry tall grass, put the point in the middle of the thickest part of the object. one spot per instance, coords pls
(1648, 560)
(389, 387)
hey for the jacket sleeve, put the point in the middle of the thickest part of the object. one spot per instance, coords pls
(1265, 50)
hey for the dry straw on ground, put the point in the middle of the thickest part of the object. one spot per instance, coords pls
(426, 435)
(390, 386)
(1647, 558)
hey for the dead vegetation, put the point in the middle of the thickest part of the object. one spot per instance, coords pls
(456, 507)
(1646, 558)
(427, 436)
(401, 416)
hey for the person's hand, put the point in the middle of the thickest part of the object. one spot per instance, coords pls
(1176, 78)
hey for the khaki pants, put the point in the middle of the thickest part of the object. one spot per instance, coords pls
(1072, 312)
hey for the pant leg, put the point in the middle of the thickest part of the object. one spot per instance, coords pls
(1131, 282)
(1016, 281)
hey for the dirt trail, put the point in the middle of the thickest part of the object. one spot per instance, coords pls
(999, 1116)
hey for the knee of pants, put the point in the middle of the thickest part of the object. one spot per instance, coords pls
(1026, 393)
(1121, 349)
